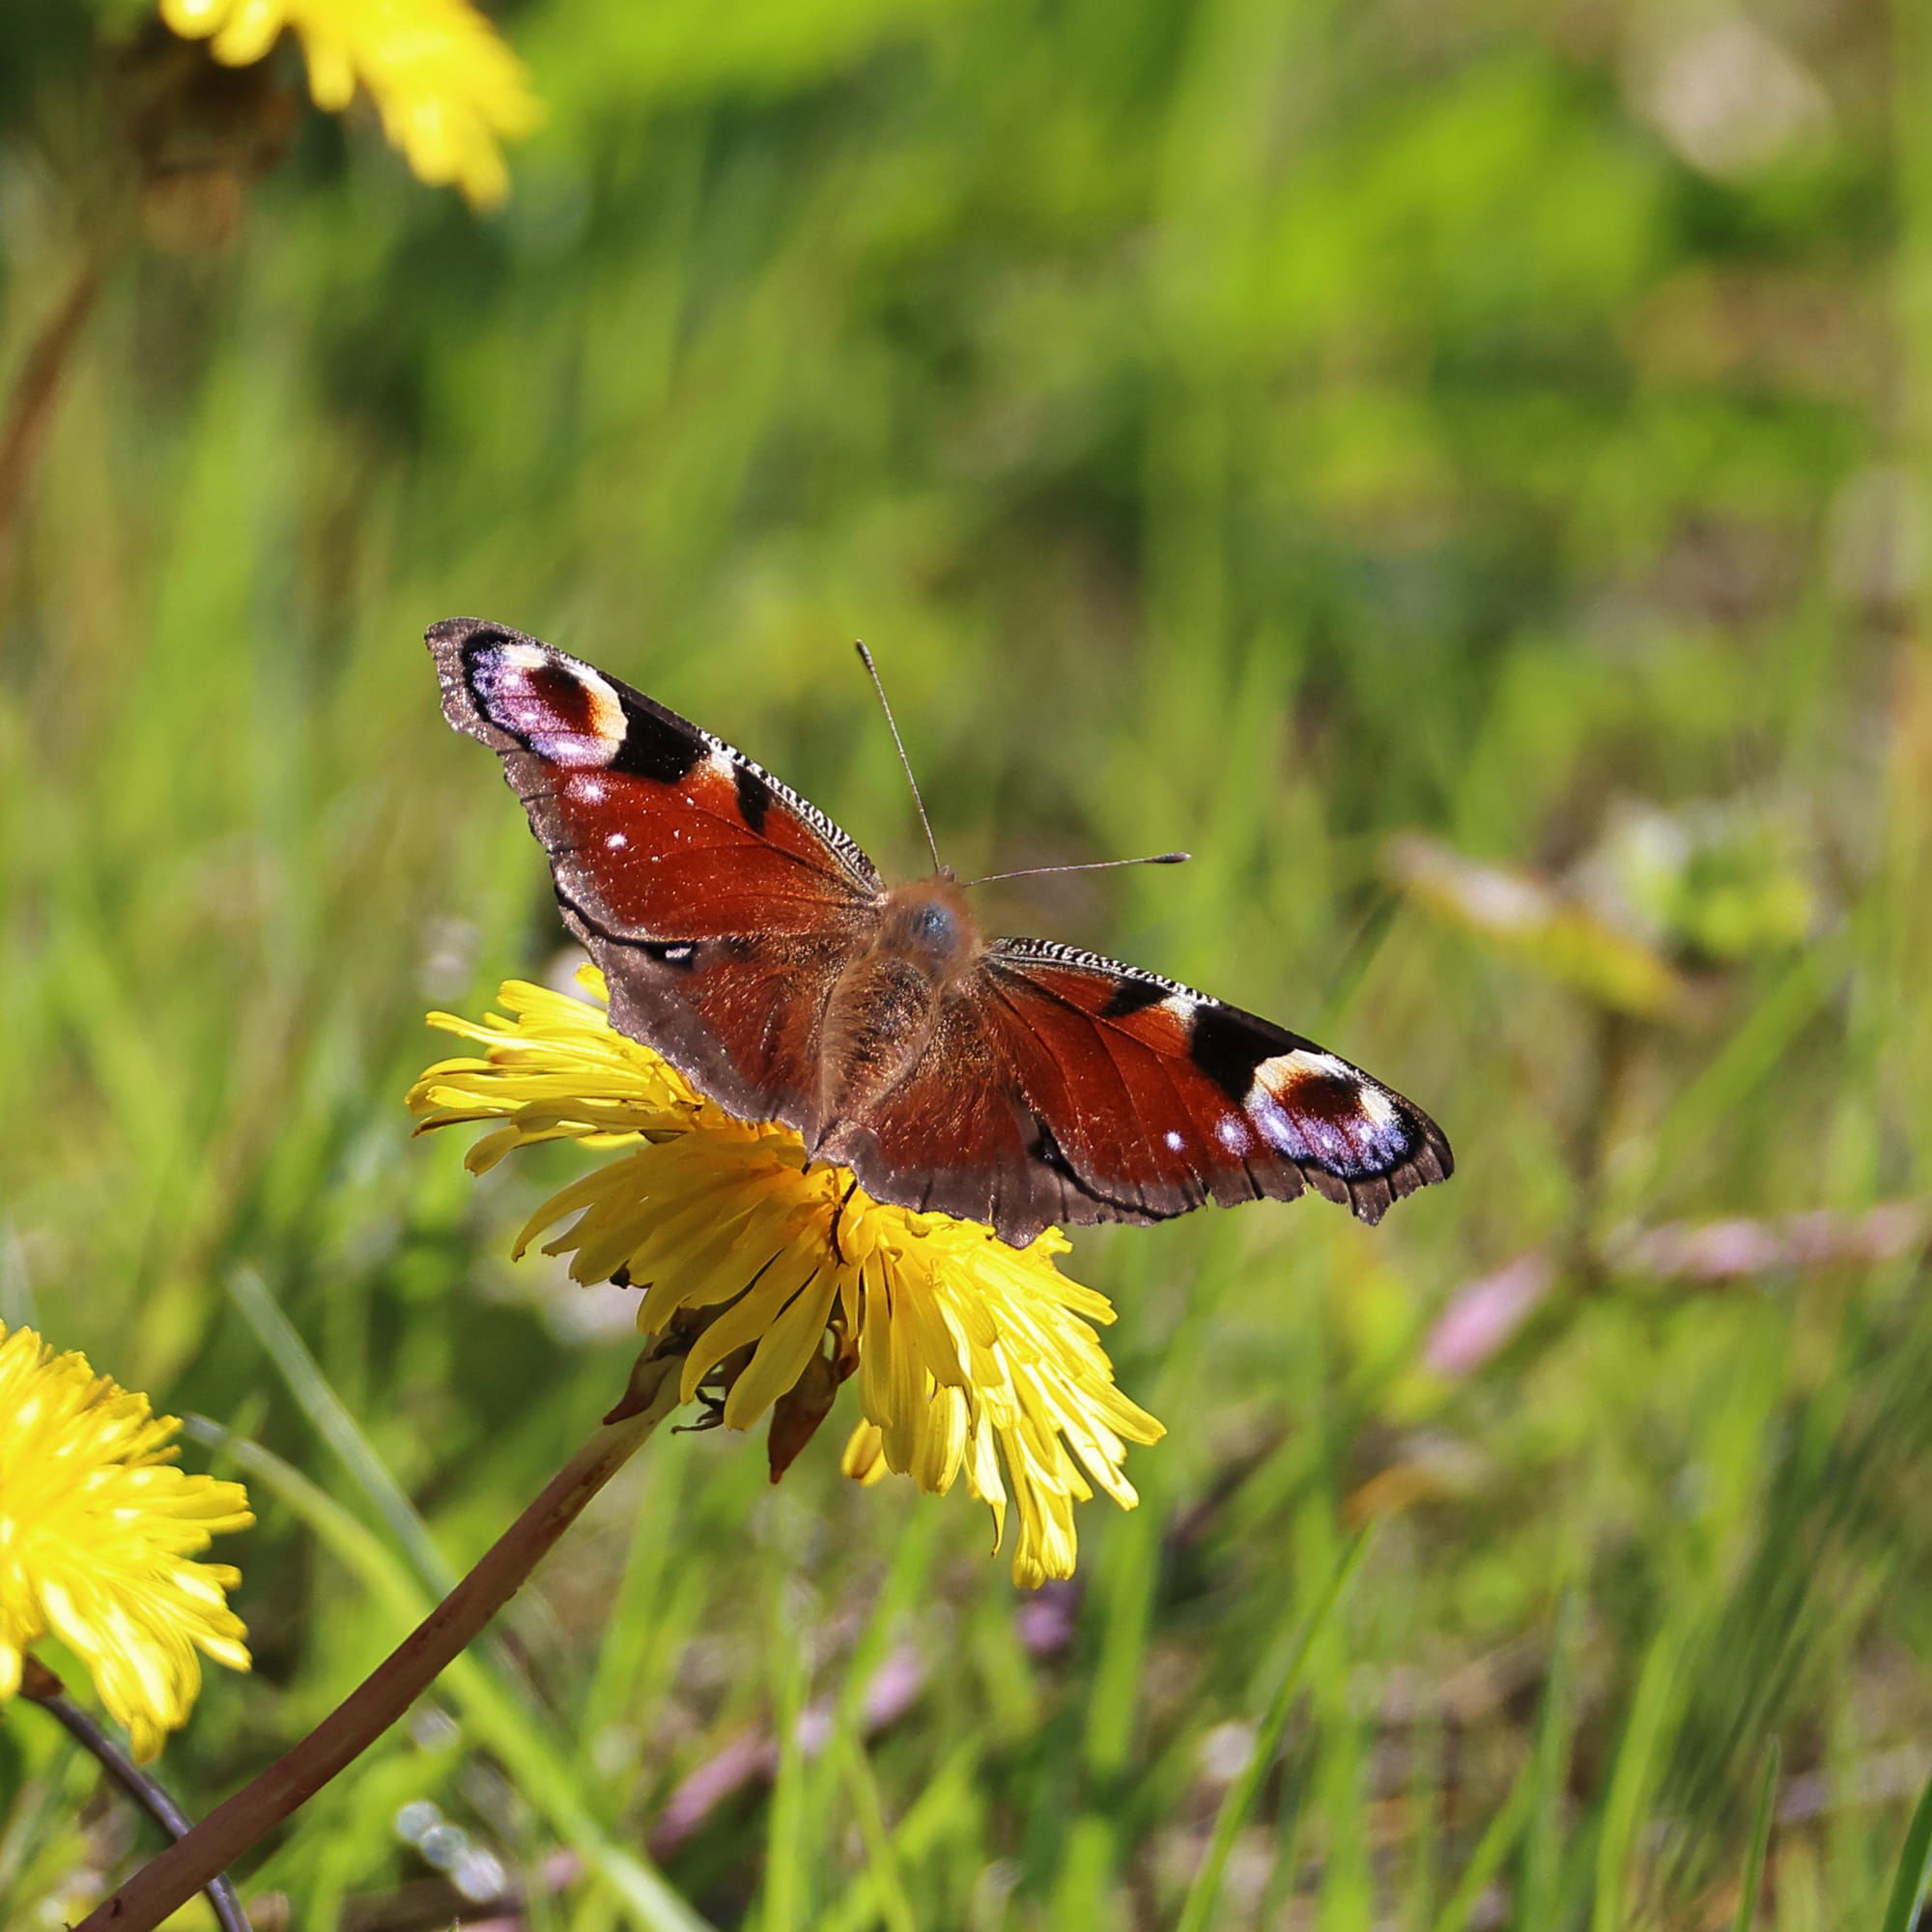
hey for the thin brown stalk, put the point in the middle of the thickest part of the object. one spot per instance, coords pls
(39, 1685)
(29, 409)
(168, 1881)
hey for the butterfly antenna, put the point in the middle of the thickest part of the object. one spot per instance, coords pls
(1089, 866)
(885, 705)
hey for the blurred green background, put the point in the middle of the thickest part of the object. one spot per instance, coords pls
(1357, 443)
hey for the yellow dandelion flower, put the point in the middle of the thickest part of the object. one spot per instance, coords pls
(98, 1532)
(974, 1359)
(447, 87)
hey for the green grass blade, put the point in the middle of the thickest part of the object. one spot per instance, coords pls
(882, 1863)
(331, 1420)
(1197, 1911)
(949, 1805)
(1914, 1863)
(1633, 1780)
(1543, 1850)
(787, 1884)
(1091, 1855)
(1760, 1837)
(1491, 1849)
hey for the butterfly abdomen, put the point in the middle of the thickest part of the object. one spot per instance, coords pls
(877, 1023)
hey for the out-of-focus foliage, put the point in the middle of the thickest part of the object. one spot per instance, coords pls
(1268, 429)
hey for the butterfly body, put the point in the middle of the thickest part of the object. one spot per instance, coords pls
(882, 1011)
(1015, 1082)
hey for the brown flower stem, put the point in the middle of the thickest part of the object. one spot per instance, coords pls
(39, 1685)
(168, 1881)
(29, 409)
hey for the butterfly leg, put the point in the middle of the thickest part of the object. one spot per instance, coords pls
(838, 1214)
(711, 1414)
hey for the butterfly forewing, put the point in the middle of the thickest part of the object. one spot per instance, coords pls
(718, 903)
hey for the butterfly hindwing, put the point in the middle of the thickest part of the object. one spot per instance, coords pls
(1150, 1098)
(718, 903)
(1059, 1087)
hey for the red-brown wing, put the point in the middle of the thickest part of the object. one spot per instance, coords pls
(719, 903)
(1060, 1087)
(1134, 1098)
(956, 1136)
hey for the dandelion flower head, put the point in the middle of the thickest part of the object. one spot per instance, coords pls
(974, 1359)
(98, 1532)
(449, 90)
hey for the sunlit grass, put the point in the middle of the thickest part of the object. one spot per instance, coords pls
(1229, 433)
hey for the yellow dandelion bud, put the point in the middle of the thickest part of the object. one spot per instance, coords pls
(449, 90)
(98, 1533)
(974, 1359)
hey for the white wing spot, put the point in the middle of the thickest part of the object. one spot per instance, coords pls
(606, 712)
(1174, 1141)
(1277, 1078)
(617, 840)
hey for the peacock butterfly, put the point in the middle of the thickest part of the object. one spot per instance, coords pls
(1014, 1082)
